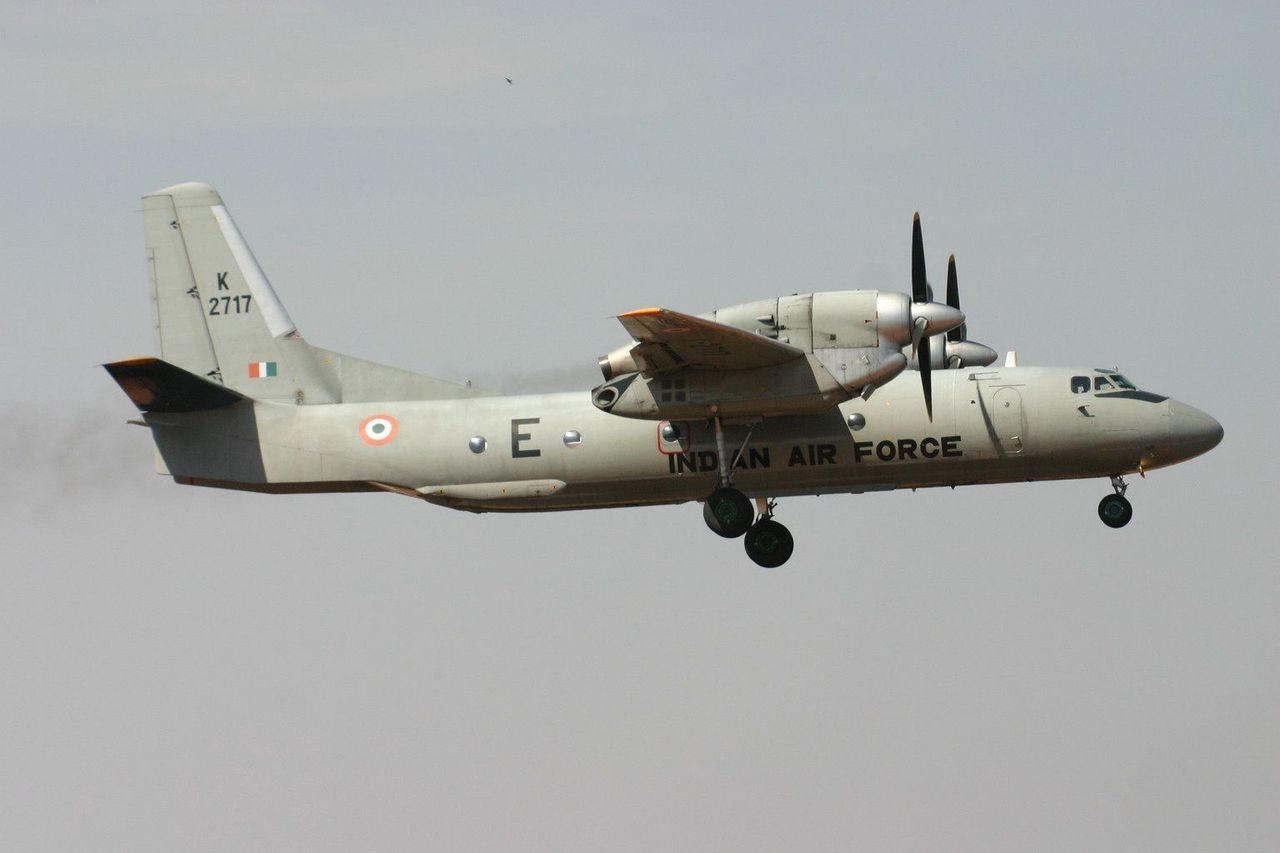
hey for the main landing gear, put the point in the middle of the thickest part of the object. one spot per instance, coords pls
(1115, 510)
(728, 513)
(768, 543)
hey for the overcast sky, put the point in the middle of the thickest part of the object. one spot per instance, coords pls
(981, 669)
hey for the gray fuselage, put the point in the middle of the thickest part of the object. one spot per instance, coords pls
(990, 425)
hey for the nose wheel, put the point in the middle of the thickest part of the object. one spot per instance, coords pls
(1115, 510)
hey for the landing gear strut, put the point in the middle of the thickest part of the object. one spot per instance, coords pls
(1115, 510)
(768, 543)
(726, 511)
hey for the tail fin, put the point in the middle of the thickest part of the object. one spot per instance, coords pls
(215, 313)
(217, 316)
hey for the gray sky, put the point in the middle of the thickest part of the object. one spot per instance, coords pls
(980, 669)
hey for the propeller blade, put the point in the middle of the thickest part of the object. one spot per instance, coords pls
(920, 294)
(919, 283)
(959, 333)
(926, 378)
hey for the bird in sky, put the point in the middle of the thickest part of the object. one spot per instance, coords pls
(508, 79)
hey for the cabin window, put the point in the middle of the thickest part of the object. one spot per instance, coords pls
(572, 438)
(1100, 383)
(1079, 384)
(477, 444)
(671, 433)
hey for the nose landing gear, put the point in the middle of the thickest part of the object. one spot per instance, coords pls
(1115, 510)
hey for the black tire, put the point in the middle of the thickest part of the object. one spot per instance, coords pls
(1115, 510)
(768, 543)
(727, 512)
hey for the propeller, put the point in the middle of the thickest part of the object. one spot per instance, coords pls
(959, 333)
(936, 327)
(959, 350)
(920, 296)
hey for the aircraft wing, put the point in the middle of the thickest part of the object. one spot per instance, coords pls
(670, 341)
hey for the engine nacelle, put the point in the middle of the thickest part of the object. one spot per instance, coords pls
(853, 341)
(842, 319)
(855, 334)
(618, 362)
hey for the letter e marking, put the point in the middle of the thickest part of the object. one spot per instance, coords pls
(517, 437)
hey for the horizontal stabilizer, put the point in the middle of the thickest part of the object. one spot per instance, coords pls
(158, 386)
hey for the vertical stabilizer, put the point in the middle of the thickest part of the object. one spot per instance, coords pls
(216, 314)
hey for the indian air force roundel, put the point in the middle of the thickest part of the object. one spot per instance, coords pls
(378, 429)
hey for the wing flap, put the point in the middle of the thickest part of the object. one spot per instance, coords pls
(671, 341)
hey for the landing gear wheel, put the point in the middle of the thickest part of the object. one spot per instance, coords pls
(727, 512)
(1115, 510)
(768, 543)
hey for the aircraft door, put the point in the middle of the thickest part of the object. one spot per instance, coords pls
(1007, 419)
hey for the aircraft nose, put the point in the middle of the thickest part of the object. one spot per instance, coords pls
(1191, 431)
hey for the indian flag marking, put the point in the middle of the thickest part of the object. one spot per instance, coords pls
(378, 429)
(261, 369)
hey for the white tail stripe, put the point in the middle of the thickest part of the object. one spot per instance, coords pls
(277, 319)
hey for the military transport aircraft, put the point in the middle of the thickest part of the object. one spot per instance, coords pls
(815, 393)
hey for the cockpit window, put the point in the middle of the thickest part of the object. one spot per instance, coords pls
(1079, 384)
(1122, 382)
(1100, 383)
